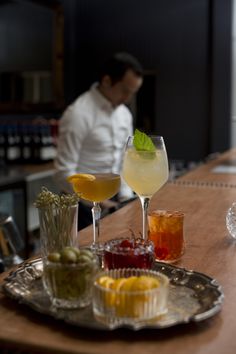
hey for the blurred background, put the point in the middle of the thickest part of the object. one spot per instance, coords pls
(50, 52)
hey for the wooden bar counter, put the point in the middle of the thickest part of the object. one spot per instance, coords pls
(206, 174)
(209, 249)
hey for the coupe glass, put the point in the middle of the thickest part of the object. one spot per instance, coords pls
(96, 188)
(145, 172)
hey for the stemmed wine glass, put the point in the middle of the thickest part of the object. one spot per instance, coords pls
(95, 188)
(145, 170)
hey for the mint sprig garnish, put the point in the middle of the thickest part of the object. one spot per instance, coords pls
(142, 142)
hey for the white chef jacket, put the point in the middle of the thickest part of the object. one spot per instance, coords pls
(92, 138)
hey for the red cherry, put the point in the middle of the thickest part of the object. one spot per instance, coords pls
(126, 244)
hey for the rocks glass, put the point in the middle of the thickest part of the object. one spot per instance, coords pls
(68, 279)
(166, 232)
(128, 253)
(58, 228)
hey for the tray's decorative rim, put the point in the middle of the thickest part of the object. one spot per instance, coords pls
(178, 276)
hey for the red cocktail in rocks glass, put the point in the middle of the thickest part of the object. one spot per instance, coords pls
(128, 253)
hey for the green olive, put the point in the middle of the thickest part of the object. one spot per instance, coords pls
(77, 251)
(87, 253)
(73, 249)
(68, 256)
(83, 258)
(54, 257)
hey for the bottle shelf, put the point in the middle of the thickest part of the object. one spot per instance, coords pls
(28, 142)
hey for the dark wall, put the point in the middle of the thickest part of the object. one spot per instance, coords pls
(220, 80)
(27, 57)
(185, 43)
(25, 36)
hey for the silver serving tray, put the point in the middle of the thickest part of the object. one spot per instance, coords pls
(193, 296)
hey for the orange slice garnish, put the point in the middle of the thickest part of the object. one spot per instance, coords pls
(127, 285)
(105, 281)
(80, 177)
(118, 283)
(143, 283)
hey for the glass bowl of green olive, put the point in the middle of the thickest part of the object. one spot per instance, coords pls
(68, 277)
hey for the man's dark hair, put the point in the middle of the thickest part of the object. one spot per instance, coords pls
(117, 66)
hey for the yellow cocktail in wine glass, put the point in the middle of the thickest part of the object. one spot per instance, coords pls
(95, 188)
(145, 168)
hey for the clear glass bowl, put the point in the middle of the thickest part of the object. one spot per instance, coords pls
(119, 307)
(69, 285)
(134, 253)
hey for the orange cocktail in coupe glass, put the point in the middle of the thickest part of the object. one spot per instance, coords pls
(95, 188)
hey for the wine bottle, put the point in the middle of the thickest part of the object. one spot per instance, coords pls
(12, 147)
(25, 133)
(47, 148)
(2, 144)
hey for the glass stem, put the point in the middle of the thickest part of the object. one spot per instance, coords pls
(96, 212)
(145, 204)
